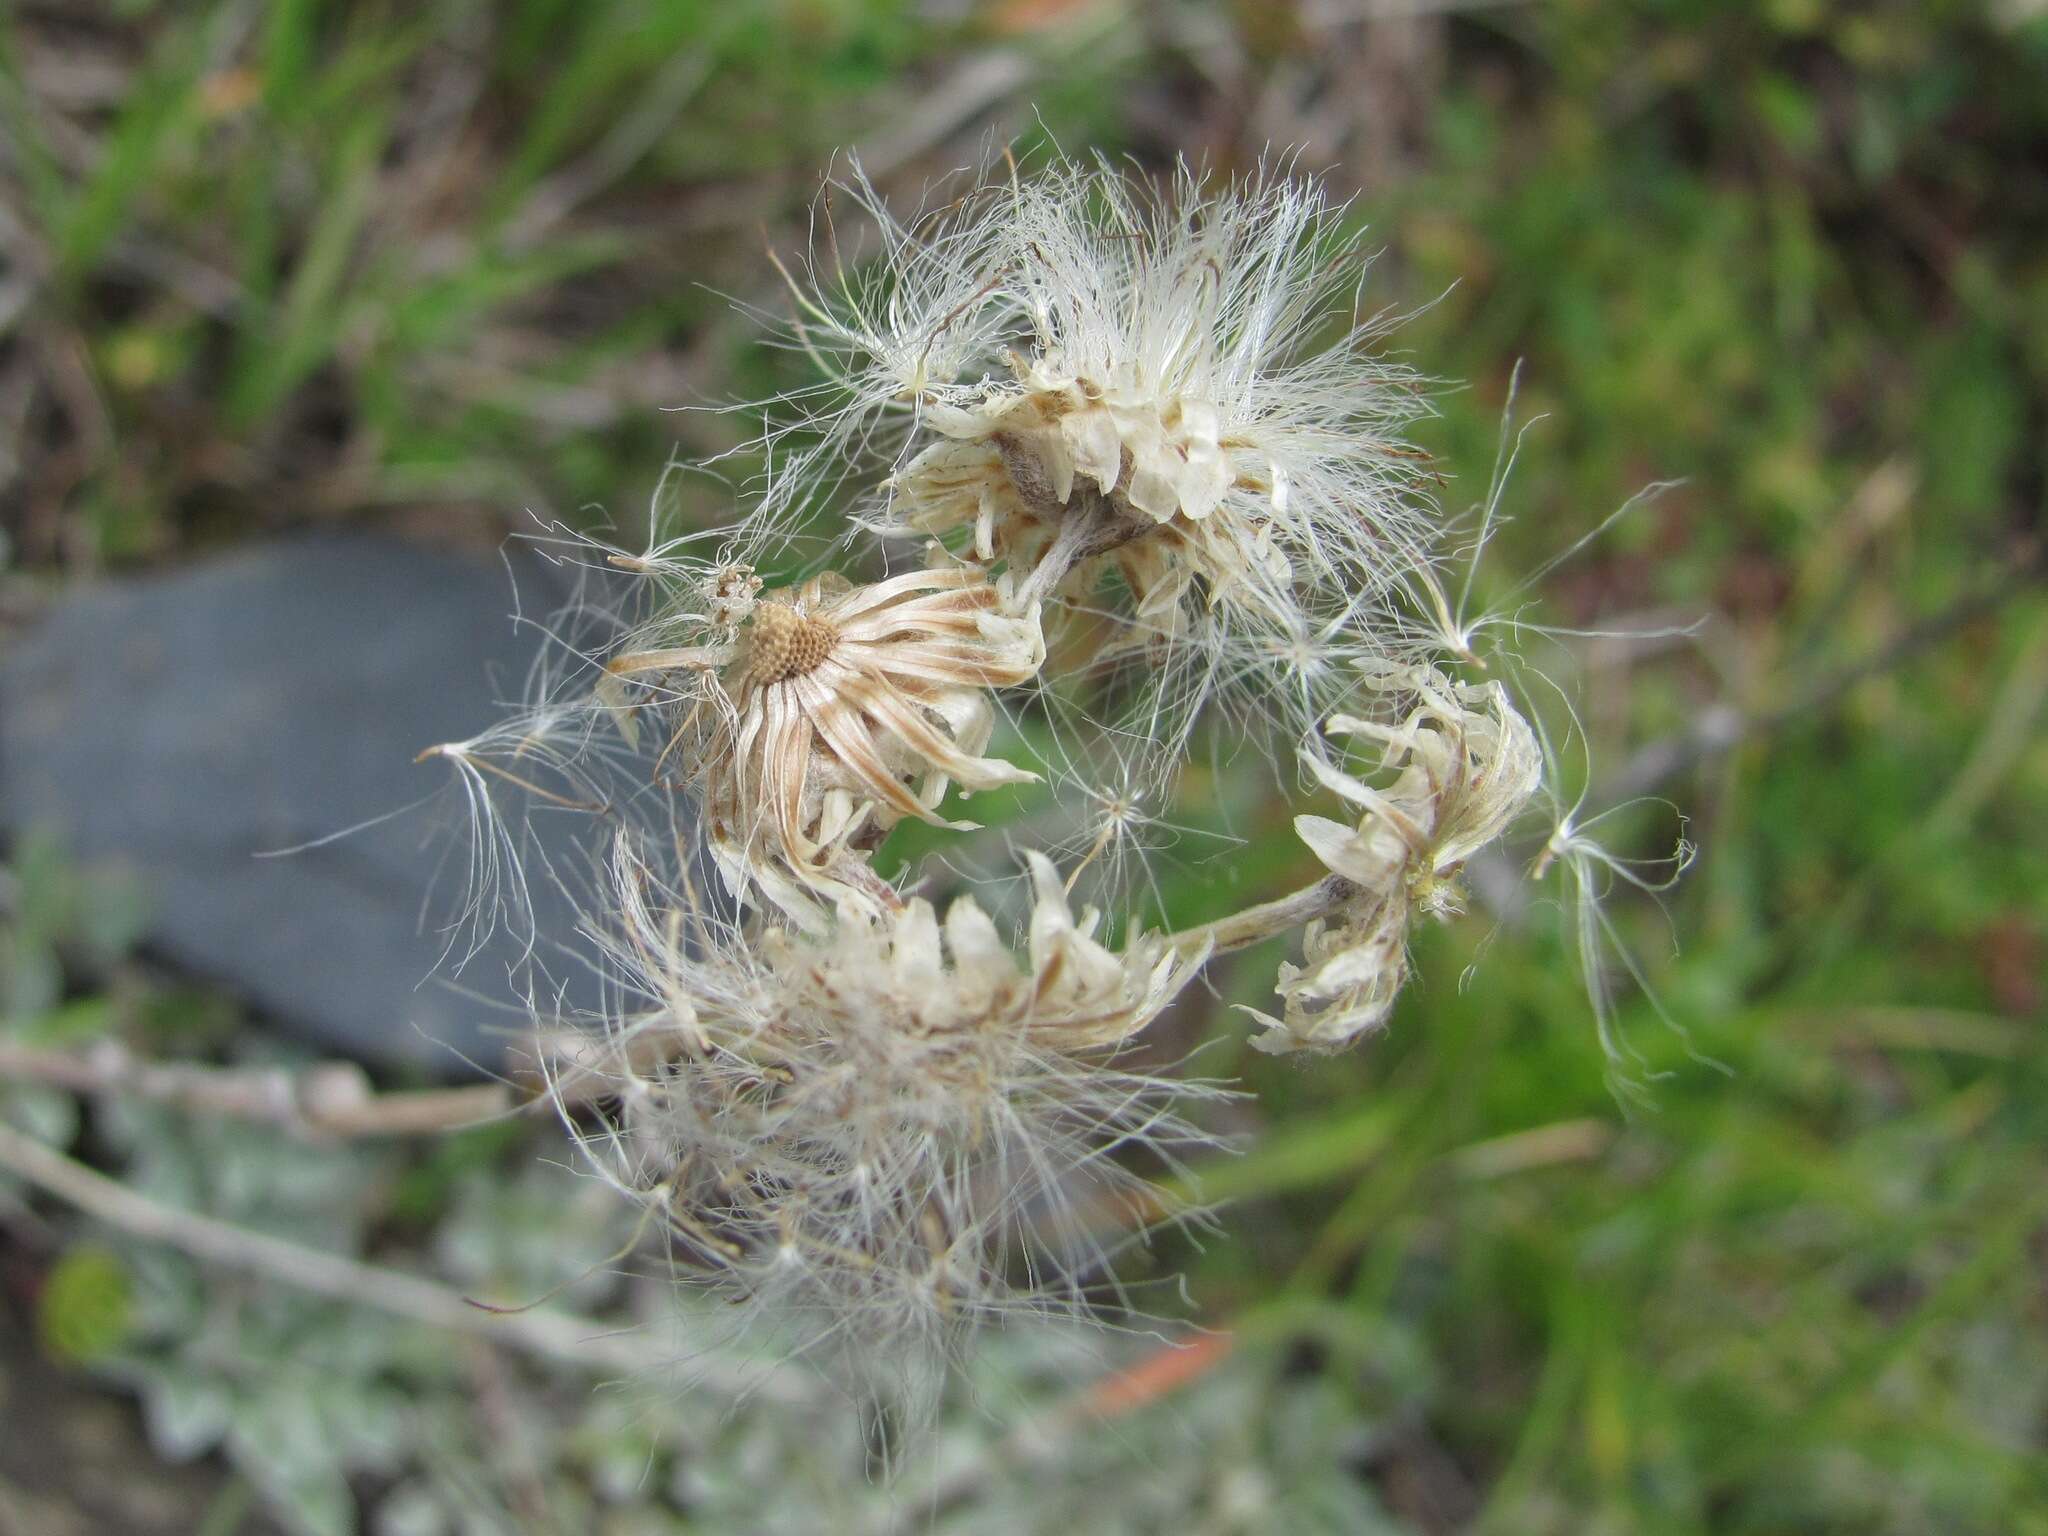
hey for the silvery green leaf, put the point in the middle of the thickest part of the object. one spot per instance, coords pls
(317, 1503)
(282, 1428)
(170, 1297)
(126, 1122)
(534, 1234)
(413, 1509)
(45, 1114)
(280, 1443)
(186, 1414)
(372, 1422)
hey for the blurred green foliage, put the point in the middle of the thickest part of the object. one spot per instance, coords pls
(84, 1312)
(321, 261)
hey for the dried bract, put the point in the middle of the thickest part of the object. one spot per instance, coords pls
(1464, 764)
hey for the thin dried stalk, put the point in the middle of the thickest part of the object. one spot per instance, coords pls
(330, 1101)
(577, 1341)
(1283, 914)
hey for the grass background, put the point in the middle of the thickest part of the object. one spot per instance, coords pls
(430, 266)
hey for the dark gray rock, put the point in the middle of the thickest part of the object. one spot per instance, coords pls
(180, 725)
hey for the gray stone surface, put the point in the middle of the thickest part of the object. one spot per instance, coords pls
(179, 725)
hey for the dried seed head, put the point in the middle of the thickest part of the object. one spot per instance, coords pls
(836, 711)
(1188, 367)
(856, 1130)
(1464, 766)
(1160, 419)
(783, 643)
(729, 591)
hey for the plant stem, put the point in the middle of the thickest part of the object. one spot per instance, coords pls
(1725, 725)
(332, 1099)
(553, 1335)
(1269, 917)
(1090, 528)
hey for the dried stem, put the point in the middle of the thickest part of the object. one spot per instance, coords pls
(1090, 529)
(573, 1340)
(1725, 726)
(329, 1101)
(1277, 916)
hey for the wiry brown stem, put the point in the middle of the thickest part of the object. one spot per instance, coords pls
(1277, 916)
(331, 1099)
(1725, 725)
(1091, 527)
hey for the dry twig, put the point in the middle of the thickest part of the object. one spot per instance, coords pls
(577, 1341)
(328, 1101)
(1725, 726)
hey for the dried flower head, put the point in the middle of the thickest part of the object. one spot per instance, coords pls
(1163, 407)
(1464, 765)
(833, 711)
(852, 1130)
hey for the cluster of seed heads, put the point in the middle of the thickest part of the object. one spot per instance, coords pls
(1132, 473)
